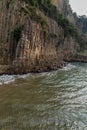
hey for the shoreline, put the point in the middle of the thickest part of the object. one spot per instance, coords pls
(12, 70)
(77, 58)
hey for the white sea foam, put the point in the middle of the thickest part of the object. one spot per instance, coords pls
(68, 67)
(22, 76)
(5, 79)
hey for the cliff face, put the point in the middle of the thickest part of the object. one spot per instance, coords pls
(31, 39)
(37, 48)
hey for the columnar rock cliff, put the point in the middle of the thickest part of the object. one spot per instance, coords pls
(31, 38)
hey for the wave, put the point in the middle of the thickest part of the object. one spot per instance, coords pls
(5, 79)
(68, 67)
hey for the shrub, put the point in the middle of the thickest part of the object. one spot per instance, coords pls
(17, 33)
(69, 28)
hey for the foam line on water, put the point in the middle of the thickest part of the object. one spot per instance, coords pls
(68, 67)
(5, 79)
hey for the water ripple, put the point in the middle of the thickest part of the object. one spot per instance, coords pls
(54, 100)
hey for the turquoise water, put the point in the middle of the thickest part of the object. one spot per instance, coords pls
(54, 100)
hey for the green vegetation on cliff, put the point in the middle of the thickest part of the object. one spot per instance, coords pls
(51, 11)
(69, 28)
(17, 32)
(32, 10)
